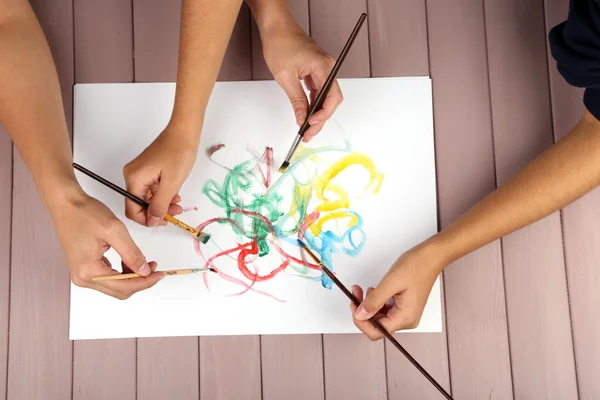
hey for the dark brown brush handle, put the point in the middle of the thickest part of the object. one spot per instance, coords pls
(318, 103)
(111, 185)
(377, 324)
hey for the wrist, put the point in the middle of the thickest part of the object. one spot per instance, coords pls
(271, 16)
(65, 192)
(435, 251)
(185, 131)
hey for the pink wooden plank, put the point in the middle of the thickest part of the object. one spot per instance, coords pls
(285, 358)
(103, 41)
(404, 381)
(40, 353)
(230, 368)
(354, 367)
(292, 364)
(331, 22)
(156, 44)
(580, 230)
(167, 368)
(260, 71)
(104, 369)
(6, 171)
(536, 291)
(398, 38)
(398, 42)
(474, 289)
(156, 39)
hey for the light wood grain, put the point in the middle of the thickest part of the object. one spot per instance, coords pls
(167, 368)
(331, 22)
(230, 368)
(40, 353)
(104, 369)
(536, 291)
(156, 39)
(474, 288)
(292, 364)
(354, 367)
(103, 41)
(6, 171)
(398, 38)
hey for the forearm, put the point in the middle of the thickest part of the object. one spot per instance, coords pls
(31, 107)
(559, 176)
(206, 28)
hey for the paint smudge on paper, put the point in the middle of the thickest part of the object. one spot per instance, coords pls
(265, 217)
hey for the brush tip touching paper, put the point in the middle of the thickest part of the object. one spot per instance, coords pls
(301, 243)
(284, 166)
(203, 237)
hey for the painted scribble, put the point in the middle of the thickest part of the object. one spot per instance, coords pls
(266, 216)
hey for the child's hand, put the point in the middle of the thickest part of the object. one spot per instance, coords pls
(87, 229)
(408, 283)
(292, 55)
(157, 174)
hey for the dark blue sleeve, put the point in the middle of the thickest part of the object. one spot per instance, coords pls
(575, 45)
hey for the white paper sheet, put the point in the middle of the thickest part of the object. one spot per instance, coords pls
(389, 120)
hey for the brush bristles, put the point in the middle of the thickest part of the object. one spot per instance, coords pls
(203, 237)
(284, 166)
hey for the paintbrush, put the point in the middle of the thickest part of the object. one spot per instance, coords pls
(377, 324)
(318, 103)
(201, 236)
(171, 272)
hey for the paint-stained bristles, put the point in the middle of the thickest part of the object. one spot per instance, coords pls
(203, 237)
(284, 167)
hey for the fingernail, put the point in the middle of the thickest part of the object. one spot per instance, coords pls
(314, 121)
(144, 270)
(153, 221)
(300, 116)
(361, 313)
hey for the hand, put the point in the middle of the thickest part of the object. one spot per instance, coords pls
(292, 55)
(157, 174)
(408, 283)
(87, 229)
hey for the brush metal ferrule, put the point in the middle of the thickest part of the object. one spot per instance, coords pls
(293, 148)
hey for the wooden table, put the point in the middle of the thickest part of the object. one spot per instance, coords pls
(521, 315)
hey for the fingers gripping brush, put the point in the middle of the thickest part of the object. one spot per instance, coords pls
(318, 103)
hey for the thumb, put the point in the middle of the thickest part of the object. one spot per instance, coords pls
(160, 202)
(375, 301)
(293, 88)
(130, 253)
